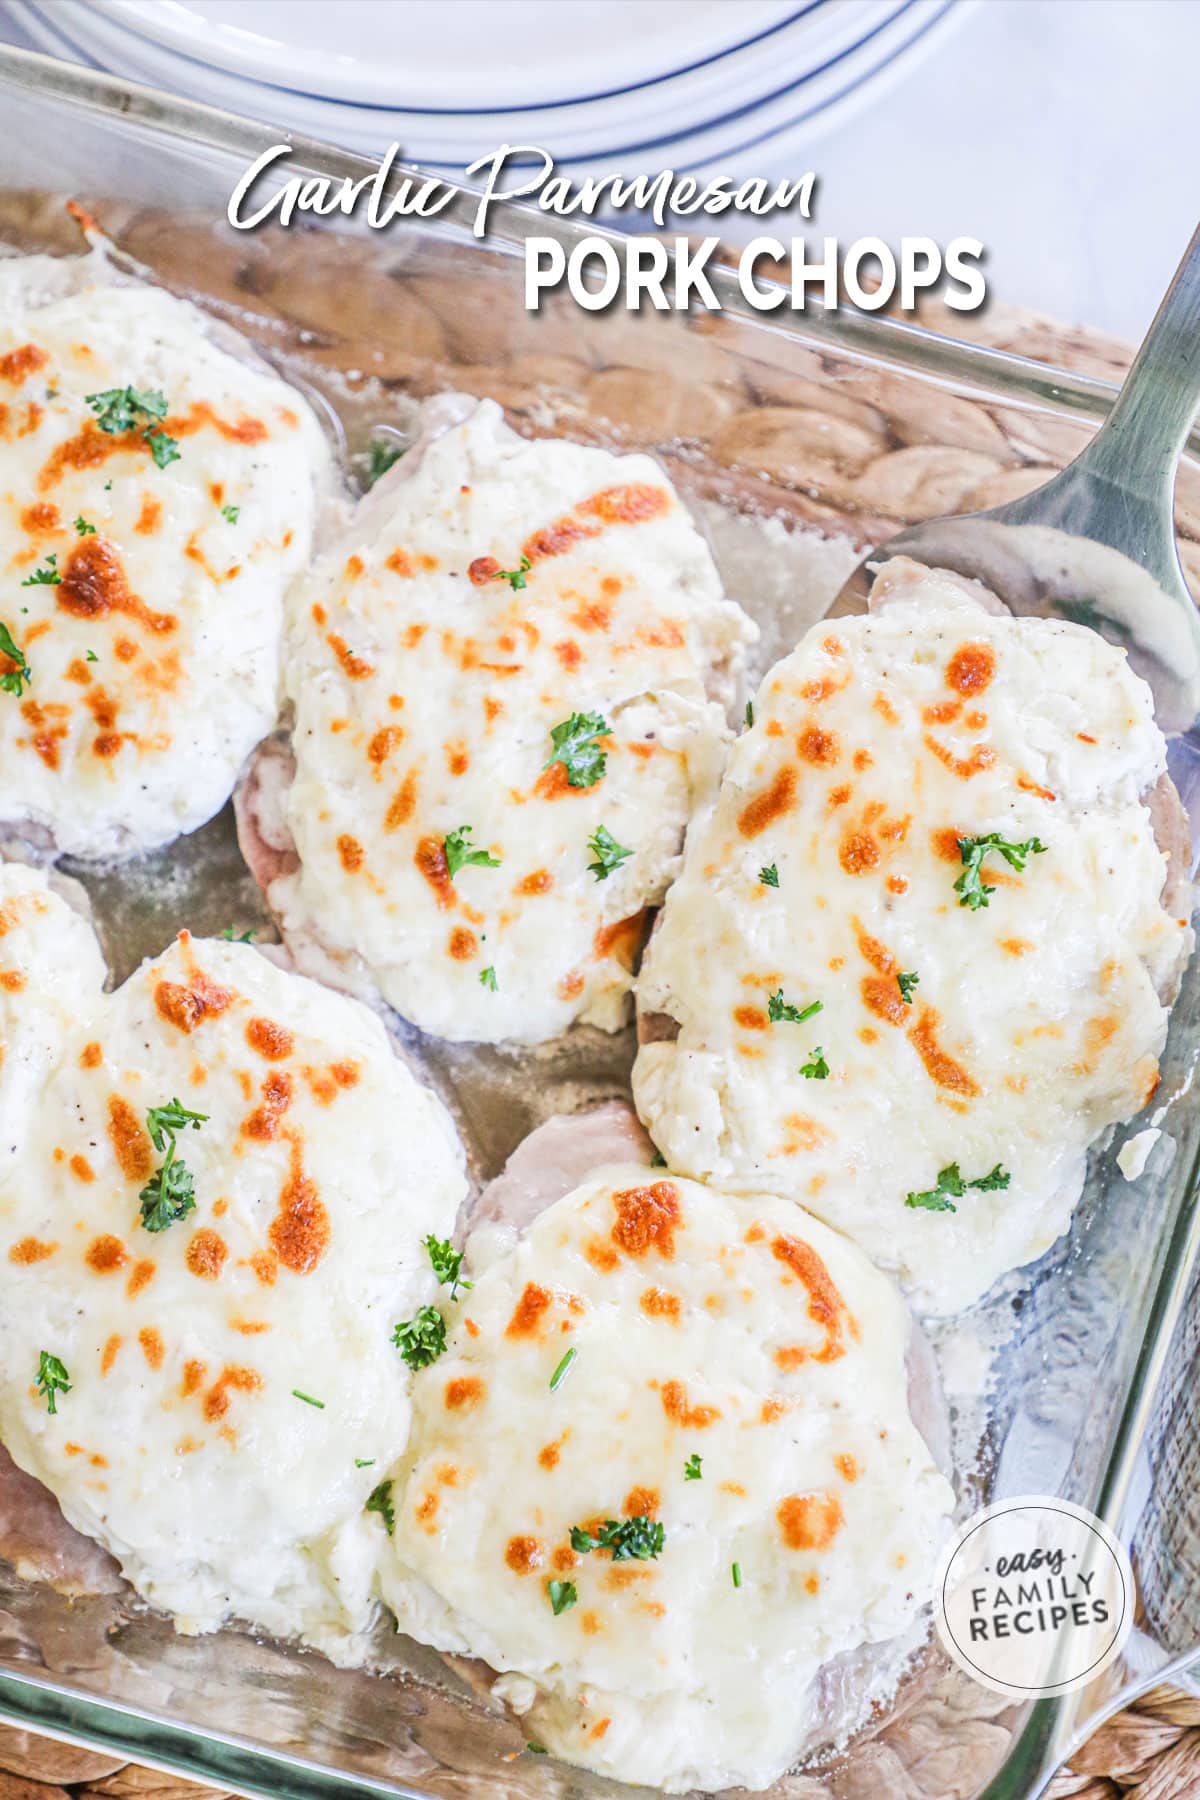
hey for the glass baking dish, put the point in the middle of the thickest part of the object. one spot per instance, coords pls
(799, 442)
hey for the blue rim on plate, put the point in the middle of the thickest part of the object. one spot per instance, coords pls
(662, 143)
(480, 112)
(628, 148)
(21, 8)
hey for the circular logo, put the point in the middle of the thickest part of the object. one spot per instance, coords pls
(1034, 1596)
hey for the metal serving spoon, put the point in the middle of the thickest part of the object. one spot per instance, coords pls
(1096, 544)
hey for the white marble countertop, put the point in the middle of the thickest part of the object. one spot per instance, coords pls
(1059, 132)
(1062, 133)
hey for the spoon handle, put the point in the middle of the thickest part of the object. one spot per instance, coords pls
(1140, 442)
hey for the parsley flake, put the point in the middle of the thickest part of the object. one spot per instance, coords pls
(381, 454)
(460, 855)
(577, 749)
(970, 887)
(816, 1068)
(52, 1379)
(230, 514)
(421, 1339)
(514, 577)
(780, 1009)
(446, 1263)
(563, 1370)
(736, 1572)
(640, 1538)
(20, 673)
(364, 1462)
(951, 1187)
(563, 1595)
(658, 1160)
(247, 937)
(380, 1501)
(540, 1749)
(769, 876)
(46, 575)
(749, 715)
(122, 410)
(91, 656)
(608, 853)
(308, 1400)
(906, 982)
(164, 1121)
(169, 1195)
(487, 978)
(84, 527)
(691, 1468)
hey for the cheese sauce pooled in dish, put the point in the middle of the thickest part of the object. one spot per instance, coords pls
(663, 1476)
(500, 682)
(914, 964)
(215, 1226)
(156, 495)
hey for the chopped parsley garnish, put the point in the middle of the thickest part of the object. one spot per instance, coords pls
(608, 853)
(52, 1379)
(816, 1068)
(446, 1263)
(691, 1468)
(778, 1008)
(459, 854)
(640, 1538)
(658, 1160)
(84, 527)
(563, 1370)
(514, 577)
(576, 748)
(169, 1195)
(487, 978)
(951, 1187)
(11, 681)
(91, 656)
(364, 1462)
(421, 1339)
(163, 1122)
(563, 1596)
(46, 575)
(540, 1749)
(769, 876)
(382, 454)
(230, 514)
(380, 1501)
(164, 449)
(247, 937)
(119, 410)
(970, 887)
(749, 715)
(906, 982)
(308, 1400)
(736, 1572)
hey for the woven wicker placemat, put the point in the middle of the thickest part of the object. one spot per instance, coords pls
(855, 460)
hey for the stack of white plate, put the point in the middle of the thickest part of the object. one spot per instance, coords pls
(605, 85)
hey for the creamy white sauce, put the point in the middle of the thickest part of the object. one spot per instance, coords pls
(183, 1445)
(155, 659)
(425, 689)
(745, 1333)
(1036, 1021)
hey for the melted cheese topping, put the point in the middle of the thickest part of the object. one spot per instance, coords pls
(425, 689)
(155, 656)
(48, 956)
(1036, 1022)
(750, 1336)
(183, 1444)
